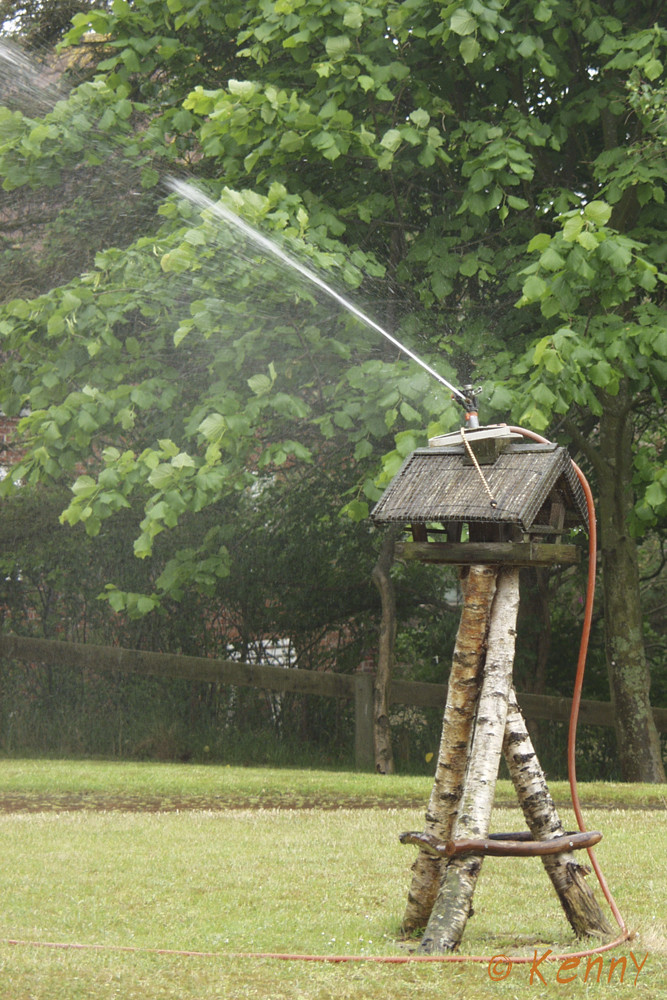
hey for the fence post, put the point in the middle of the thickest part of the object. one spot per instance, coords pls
(364, 754)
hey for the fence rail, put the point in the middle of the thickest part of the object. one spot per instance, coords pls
(358, 687)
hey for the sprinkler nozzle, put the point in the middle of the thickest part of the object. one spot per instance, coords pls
(468, 401)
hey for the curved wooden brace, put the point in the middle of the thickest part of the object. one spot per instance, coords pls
(517, 845)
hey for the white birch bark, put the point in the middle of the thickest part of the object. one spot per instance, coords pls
(566, 874)
(462, 692)
(453, 904)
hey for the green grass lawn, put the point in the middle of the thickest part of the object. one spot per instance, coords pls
(305, 877)
(50, 783)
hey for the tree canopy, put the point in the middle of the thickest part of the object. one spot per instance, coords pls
(486, 178)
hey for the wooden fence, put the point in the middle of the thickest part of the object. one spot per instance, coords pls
(357, 687)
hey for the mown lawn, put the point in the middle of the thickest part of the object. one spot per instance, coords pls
(231, 860)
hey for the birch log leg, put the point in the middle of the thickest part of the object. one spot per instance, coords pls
(567, 875)
(464, 680)
(454, 901)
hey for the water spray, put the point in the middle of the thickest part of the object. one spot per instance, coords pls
(26, 85)
(15, 64)
(186, 190)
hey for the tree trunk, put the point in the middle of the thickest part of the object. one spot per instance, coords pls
(454, 902)
(464, 681)
(567, 876)
(534, 629)
(629, 678)
(384, 757)
(534, 635)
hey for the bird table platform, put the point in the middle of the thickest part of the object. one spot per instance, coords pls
(513, 500)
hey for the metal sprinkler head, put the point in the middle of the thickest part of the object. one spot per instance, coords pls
(469, 403)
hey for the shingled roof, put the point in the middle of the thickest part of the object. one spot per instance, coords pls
(440, 484)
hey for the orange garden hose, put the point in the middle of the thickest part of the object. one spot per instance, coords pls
(297, 957)
(579, 676)
(624, 935)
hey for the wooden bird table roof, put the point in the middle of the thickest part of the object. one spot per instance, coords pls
(440, 484)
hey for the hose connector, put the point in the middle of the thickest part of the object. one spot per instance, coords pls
(468, 401)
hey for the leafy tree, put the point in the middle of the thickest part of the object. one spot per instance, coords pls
(41, 23)
(492, 155)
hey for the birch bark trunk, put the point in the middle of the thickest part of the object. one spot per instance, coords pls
(454, 901)
(479, 587)
(566, 874)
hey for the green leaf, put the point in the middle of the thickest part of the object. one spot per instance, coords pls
(543, 395)
(534, 288)
(573, 227)
(655, 494)
(539, 242)
(420, 117)
(406, 443)
(527, 46)
(168, 447)
(469, 49)
(410, 414)
(543, 12)
(86, 421)
(149, 177)
(353, 17)
(653, 69)
(540, 348)
(462, 22)
(410, 135)
(587, 240)
(143, 546)
(291, 141)
(615, 253)
(55, 324)
(598, 212)
(195, 237)
(469, 265)
(337, 46)
(553, 362)
(162, 476)
(145, 604)
(260, 384)
(647, 280)
(363, 449)
(84, 486)
(602, 374)
(324, 141)
(70, 301)
(213, 427)
(659, 343)
(116, 599)
(551, 260)
(534, 418)
(356, 510)
(242, 88)
(391, 140)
